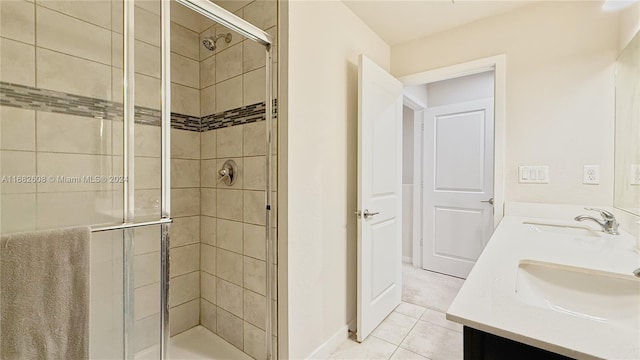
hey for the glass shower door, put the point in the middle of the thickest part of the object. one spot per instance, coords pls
(81, 144)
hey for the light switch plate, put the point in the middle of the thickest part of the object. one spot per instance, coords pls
(533, 174)
(591, 175)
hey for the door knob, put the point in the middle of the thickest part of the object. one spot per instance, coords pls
(368, 214)
(490, 201)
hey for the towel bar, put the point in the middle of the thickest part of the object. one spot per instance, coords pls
(131, 225)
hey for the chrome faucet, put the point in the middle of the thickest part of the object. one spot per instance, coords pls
(608, 223)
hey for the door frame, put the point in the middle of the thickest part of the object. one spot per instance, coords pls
(498, 65)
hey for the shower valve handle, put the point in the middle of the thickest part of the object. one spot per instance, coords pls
(228, 173)
(224, 174)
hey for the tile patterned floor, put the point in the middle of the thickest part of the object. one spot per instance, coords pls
(417, 329)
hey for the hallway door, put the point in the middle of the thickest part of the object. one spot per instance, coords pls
(379, 195)
(458, 185)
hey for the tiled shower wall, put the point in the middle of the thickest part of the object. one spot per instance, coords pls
(233, 264)
(233, 268)
(233, 75)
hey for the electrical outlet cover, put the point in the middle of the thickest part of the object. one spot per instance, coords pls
(591, 174)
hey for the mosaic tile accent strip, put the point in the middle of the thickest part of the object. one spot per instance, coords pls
(33, 98)
(185, 122)
(238, 116)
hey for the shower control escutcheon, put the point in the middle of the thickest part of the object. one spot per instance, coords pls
(228, 174)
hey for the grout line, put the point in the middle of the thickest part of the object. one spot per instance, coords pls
(184, 246)
(188, 301)
(181, 275)
(186, 28)
(177, 83)
(74, 56)
(441, 326)
(183, 55)
(18, 41)
(77, 18)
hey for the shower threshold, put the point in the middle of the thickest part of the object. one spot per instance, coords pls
(197, 343)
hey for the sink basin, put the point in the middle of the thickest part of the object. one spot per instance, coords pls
(574, 230)
(585, 293)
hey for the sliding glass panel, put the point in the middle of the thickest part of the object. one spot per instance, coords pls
(60, 114)
(61, 137)
(109, 305)
(147, 135)
(106, 329)
(146, 248)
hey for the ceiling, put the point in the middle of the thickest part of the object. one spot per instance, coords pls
(400, 21)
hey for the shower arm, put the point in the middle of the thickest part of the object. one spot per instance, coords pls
(227, 37)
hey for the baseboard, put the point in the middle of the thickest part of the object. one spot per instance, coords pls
(331, 345)
(407, 259)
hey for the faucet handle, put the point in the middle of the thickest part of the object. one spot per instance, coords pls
(607, 215)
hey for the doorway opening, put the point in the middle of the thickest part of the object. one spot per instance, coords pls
(451, 139)
(448, 152)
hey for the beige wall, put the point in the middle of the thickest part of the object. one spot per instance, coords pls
(462, 89)
(322, 147)
(559, 106)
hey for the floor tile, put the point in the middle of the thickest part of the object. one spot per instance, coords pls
(429, 289)
(394, 328)
(438, 318)
(411, 310)
(370, 349)
(402, 354)
(418, 323)
(434, 342)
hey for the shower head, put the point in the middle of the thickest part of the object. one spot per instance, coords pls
(210, 42)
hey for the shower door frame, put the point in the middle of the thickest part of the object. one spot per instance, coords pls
(250, 31)
(165, 220)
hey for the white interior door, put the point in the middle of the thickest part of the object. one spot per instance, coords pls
(458, 185)
(379, 195)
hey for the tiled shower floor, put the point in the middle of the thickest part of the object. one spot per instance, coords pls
(197, 344)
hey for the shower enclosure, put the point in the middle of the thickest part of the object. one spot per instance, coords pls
(120, 115)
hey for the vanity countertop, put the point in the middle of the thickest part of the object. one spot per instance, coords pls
(488, 300)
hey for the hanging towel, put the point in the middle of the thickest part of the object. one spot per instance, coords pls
(44, 295)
